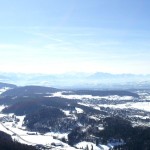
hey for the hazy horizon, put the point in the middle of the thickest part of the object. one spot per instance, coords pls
(55, 37)
(72, 73)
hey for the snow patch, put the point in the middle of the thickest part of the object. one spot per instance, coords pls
(4, 89)
(84, 144)
(79, 110)
(2, 107)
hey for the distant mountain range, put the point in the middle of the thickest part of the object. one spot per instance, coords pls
(97, 80)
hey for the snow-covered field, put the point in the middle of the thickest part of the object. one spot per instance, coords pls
(2, 128)
(145, 106)
(90, 97)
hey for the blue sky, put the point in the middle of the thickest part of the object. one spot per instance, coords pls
(47, 36)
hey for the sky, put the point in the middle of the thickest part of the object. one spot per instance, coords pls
(47, 36)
